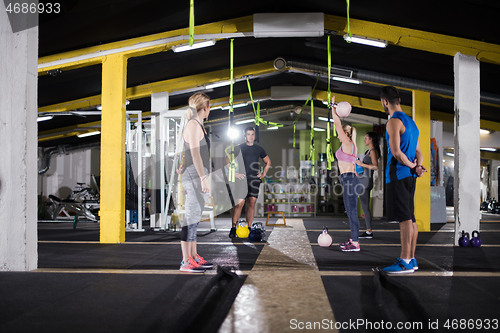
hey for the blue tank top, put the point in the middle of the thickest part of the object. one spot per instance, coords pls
(408, 144)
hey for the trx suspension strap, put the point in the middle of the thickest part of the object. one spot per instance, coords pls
(258, 119)
(255, 112)
(348, 22)
(298, 117)
(232, 166)
(191, 23)
(329, 150)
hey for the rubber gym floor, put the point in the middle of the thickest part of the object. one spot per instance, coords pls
(287, 284)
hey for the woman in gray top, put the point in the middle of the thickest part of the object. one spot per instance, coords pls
(369, 163)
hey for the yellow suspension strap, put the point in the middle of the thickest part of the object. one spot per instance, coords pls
(232, 164)
(300, 113)
(348, 22)
(312, 150)
(256, 112)
(257, 116)
(258, 119)
(329, 150)
(191, 23)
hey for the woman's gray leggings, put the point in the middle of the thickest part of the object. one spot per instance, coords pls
(195, 201)
(364, 198)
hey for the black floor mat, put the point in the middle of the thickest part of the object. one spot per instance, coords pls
(58, 302)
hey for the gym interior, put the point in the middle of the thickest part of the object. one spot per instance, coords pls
(93, 104)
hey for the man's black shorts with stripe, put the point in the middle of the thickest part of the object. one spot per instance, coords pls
(400, 199)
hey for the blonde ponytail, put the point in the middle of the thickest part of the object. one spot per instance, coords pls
(350, 131)
(197, 102)
(353, 138)
(191, 112)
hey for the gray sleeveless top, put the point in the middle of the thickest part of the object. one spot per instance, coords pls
(367, 176)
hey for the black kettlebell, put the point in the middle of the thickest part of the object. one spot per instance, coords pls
(475, 241)
(464, 240)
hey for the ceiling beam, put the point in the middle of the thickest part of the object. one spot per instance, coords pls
(265, 94)
(416, 39)
(171, 85)
(141, 46)
(243, 27)
(489, 155)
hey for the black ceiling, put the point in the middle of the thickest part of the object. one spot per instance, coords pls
(87, 23)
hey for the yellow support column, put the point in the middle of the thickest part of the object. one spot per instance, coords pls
(422, 117)
(112, 211)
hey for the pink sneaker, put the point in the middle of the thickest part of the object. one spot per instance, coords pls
(351, 247)
(203, 263)
(191, 266)
(343, 245)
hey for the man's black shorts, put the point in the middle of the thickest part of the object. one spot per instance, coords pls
(400, 199)
(253, 187)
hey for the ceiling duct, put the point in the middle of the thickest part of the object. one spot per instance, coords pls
(393, 80)
(288, 25)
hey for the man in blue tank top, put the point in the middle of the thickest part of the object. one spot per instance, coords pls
(404, 164)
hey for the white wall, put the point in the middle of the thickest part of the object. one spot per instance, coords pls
(65, 171)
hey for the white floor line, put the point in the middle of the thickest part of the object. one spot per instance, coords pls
(126, 271)
(417, 273)
(245, 243)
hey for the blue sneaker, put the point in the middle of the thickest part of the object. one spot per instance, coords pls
(414, 263)
(399, 267)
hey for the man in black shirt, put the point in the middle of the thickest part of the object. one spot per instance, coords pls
(251, 153)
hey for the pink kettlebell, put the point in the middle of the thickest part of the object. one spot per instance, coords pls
(324, 238)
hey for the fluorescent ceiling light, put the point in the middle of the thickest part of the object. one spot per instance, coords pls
(239, 122)
(217, 84)
(484, 131)
(240, 105)
(450, 154)
(83, 135)
(489, 149)
(44, 118)
(317, 129)
(346, 79)
(273, 128)
(366, 41)
(187, 47)
(99, 107)
(325, 119)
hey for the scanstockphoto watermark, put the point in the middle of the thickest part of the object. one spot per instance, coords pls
(25, 14)
(429, 325)
(355, 325)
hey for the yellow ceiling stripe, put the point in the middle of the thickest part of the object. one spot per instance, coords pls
(416, 39)
(243, 24)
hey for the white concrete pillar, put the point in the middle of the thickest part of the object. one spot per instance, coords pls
(467, 143)
(18, 148)
(159, 103)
